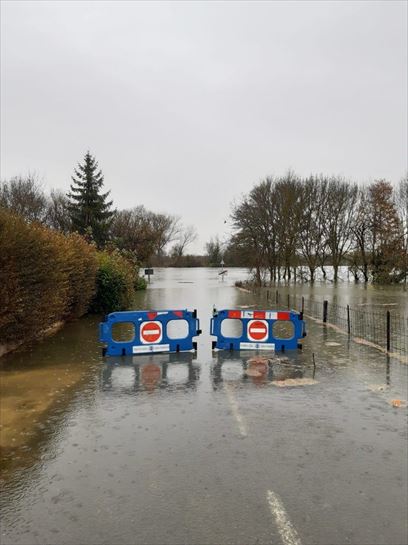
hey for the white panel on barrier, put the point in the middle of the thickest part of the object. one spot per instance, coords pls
(257, 346)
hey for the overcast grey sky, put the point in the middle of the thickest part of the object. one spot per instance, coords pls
(187, 104)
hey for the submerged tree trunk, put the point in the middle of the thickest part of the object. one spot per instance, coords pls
(258, 275)
(365, 272)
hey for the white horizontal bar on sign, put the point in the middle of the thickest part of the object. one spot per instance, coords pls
(247, 314)
(146, 349)
(271, 315)
(257, 346)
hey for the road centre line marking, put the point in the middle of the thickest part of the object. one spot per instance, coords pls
(235, 411)
(286, 529)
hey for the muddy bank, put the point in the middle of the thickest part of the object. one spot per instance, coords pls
(6, 348)
(27, 399)
(37, 388)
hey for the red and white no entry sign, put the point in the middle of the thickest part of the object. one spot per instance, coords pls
(151, 332)
(257, 330)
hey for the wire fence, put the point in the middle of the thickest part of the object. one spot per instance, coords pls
(385, 329)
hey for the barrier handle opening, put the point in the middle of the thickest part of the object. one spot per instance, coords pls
(198, 330)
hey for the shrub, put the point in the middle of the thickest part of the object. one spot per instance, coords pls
(140, 283)
(45, 277)
(115, 283)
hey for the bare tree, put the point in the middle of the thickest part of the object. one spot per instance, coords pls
(142, 232)
(252, 230)
(132, 230)
(187, 235)
(402, 207)
(286, 196)
(57, 215)
(312, 223)
(264, 232)
(339, 220)
(25, 197)
(167, 228)
(214, 251)
(361, 230)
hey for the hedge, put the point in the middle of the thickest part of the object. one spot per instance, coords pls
(45, 277)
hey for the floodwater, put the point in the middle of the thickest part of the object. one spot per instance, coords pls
(204, 448)
(359, 296)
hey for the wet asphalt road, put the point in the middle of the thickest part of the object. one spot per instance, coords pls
(193, 449)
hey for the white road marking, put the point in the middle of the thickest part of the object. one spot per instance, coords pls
(235, 411)
(286, 529)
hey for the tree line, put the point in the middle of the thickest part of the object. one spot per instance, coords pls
(86, 209)
(287, 228)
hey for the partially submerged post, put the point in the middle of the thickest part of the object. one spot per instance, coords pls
(388, 331)
(148, 272)
(223, 271)
(325, 307)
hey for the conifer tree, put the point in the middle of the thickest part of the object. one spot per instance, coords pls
(89, 209)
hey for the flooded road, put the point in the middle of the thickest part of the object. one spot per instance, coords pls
(203, 448)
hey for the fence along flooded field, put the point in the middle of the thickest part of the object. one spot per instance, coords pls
(377, 314)
(108, 449)
(384, 328)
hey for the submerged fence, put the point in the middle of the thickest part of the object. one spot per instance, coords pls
(385, 329)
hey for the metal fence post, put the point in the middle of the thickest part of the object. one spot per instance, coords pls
(303, 305)
(388, 331)
(288, 300)
(348, 320)
(325, 305)
(277, 296)
(267, 295)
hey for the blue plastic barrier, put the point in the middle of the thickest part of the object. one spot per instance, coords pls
(150, 332)
(257, 330)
